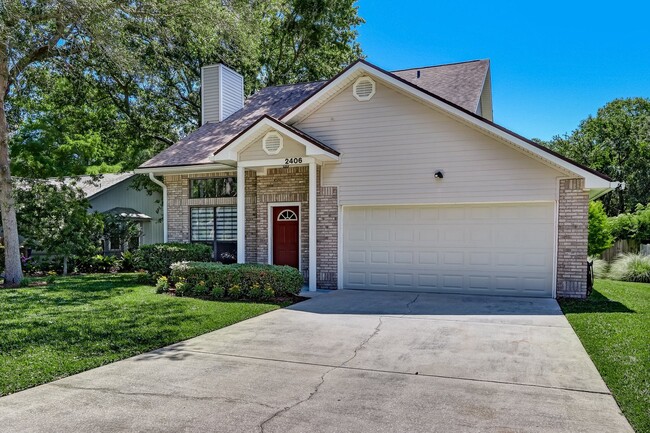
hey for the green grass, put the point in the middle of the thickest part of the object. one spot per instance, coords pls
(614, 326)
(83, 322)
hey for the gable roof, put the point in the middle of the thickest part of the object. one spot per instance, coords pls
(594, 178)
(463, 82)
(459, 83)
(263, 124)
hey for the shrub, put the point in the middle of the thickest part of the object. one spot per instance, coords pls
(600, 236)
(127, 261)
(156, 259)
(247, 281)
(97, 263)
(162, 285)
(631, 267)
(600, 267)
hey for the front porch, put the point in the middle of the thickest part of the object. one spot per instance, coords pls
(262, 194)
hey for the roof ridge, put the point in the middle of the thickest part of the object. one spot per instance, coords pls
(441, 65)
(294, 84)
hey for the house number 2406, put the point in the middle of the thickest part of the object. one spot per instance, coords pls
(292, 161)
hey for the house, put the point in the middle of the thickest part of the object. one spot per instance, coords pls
(379, 180)
(115, 194)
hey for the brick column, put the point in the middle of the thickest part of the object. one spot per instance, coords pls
(573, 207)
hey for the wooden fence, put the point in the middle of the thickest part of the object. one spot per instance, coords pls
(645, 249)
(620, 247)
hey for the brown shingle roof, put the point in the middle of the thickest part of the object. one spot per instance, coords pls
(460, 83)
(197, 147)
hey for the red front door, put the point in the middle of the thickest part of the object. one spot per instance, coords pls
(285, 235)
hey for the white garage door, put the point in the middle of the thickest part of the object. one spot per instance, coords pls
(504, 249)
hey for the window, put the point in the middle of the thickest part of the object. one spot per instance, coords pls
(213, 187)
(287, 215)
(217, 227)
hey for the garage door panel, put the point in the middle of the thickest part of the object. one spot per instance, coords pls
(504, 249)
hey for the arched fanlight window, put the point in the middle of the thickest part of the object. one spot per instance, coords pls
(287, 215)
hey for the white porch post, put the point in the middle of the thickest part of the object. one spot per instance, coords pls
(241, 214)
(312, 226)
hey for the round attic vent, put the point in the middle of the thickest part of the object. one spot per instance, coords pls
(363, 89)
(272, 143)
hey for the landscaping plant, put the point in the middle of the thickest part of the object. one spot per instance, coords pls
(156, 259)
(600, 237)
(237, 281)
(631, 267)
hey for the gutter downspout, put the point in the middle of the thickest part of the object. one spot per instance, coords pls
(164, 188)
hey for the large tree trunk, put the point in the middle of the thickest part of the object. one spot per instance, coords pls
(13, 268)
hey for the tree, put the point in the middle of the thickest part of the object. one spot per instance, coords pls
(308, 40)
(600, 237)
(616, 142)
(53, 217)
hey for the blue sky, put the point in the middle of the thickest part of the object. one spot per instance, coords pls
(553, 62)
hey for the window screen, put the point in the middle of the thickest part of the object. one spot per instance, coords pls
(202, 220)
(217, 227)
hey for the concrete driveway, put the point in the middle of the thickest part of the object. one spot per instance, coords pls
(349, 361)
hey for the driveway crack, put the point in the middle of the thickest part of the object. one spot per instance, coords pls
(408, 306)
(322, 379)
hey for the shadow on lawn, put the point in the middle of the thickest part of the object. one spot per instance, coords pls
(596, 303)
(72, 291)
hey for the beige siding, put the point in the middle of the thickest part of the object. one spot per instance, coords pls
(210, 93)
(123, 196)
(233, 92)
(392, 144)
(290, 149)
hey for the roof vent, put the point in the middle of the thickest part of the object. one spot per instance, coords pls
(363, 89)
(272, 143)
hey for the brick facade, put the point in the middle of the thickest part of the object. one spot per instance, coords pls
(179, 203)
(278, 185)
(327, 228)
(573, 207)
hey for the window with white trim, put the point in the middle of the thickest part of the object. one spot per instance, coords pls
(287, 215)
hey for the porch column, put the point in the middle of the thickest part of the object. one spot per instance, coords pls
(312, 226)
(241, 214)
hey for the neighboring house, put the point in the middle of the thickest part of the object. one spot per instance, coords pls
(379, 180)
(113, 194)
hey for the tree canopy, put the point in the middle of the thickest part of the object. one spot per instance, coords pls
(101, 105)
(616, 142)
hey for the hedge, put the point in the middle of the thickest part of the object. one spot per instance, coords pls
(156, 259)
(237, 281)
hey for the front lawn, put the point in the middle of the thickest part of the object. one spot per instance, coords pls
(614, 326)
(83, 322)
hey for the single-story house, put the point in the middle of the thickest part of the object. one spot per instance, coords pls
(379, 180)
(115, 194)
